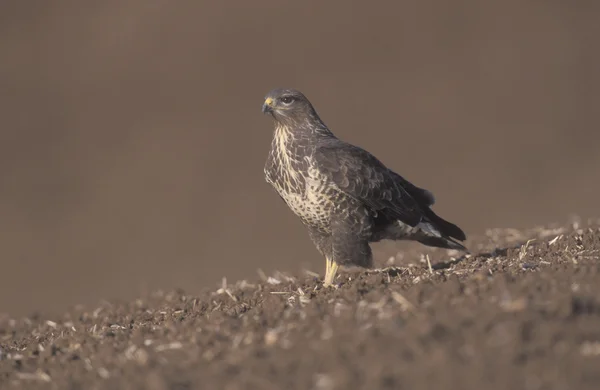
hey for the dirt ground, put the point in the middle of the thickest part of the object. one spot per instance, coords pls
(522, 311)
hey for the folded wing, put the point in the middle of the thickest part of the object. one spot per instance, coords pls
(361, 176)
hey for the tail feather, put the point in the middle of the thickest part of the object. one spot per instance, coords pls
(441, 242)
(441, 233)
(445, 228)
(431, 231)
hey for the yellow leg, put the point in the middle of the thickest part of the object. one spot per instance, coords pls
(330, 272)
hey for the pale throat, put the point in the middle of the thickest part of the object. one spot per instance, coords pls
(283, 138)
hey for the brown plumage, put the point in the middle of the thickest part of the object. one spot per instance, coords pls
(344, 195)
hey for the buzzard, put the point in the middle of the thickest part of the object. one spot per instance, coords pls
(343, 194)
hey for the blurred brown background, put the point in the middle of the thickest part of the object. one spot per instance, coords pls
(132, 143)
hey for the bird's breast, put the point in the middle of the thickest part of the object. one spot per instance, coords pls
(295, 176)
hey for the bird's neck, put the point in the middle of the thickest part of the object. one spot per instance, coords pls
(303, 131)
(287, 140)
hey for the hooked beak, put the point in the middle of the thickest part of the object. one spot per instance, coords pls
(267, 106)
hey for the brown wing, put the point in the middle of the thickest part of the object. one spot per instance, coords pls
(421, 195)
(360, 175)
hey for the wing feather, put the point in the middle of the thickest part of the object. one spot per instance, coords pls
(362, 176)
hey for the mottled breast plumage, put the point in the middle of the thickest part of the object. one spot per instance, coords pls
(292, 170)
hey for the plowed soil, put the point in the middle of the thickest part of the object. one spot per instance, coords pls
(522, 311)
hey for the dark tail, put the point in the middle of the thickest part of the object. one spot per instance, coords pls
(446, 228)
(449, 233)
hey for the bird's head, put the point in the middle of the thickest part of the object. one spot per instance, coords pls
(288, 105)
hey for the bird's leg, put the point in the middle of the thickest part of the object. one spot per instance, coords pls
(330, 272)
(349, 243)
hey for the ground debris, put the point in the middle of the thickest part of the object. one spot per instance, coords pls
(521, 304)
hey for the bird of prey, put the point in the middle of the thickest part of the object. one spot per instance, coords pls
(343, 194)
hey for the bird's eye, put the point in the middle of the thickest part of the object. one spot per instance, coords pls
(287, 99)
